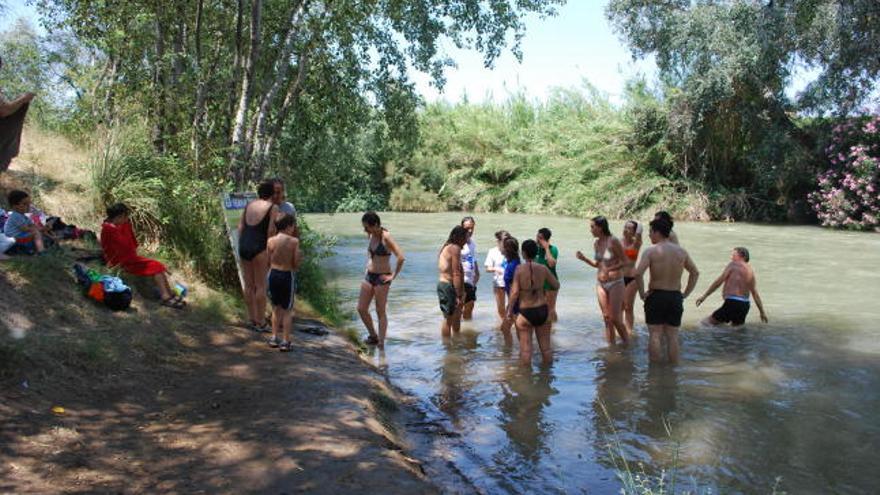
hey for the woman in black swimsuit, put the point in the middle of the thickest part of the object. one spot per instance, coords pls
(254, 229)
(528, 291)
(378, 276)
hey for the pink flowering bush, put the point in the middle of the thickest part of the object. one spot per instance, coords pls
(849, 191)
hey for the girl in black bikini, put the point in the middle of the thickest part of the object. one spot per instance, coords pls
(378, 278)
(254, 229)
(528, 292)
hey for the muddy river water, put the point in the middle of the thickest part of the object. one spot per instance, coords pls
(794, 404)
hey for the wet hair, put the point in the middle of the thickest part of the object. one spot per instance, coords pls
(117, 209)
(458, 236)
(634, 224)
(501, 234)
(661, 226)
(664, 215)
(372, 219)
(530, 249)
(16, 196)
(467, 219)
(545, 233)
(742, 252)
(602, 223)
(284, 222)
(266, 189)
(510, 246)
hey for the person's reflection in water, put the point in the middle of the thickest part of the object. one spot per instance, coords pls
(454, 381)
(615, 403)
(525, 394)
(614, 375)
(659, 398)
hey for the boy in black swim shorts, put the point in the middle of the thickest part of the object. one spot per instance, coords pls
(284, 257)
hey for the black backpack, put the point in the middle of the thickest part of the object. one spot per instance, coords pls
(118, 301)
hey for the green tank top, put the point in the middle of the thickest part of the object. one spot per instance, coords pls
(542, 259)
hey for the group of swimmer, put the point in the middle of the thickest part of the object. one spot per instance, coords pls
(526, 284)
(524, 278)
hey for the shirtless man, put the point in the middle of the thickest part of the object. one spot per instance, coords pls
(739, 280)
(664, 301)
(284, 259)
(450, 287)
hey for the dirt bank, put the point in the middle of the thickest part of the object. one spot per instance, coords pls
(231, 417)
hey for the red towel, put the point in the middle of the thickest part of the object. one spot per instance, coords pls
(120, 249)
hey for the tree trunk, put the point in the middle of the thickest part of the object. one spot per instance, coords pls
(199, 110)
(239, 144)
(281, 71)
(236, 67)
(160, 83)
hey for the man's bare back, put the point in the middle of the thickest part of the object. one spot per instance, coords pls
(284, 252)
(740, 279)
(666, 262)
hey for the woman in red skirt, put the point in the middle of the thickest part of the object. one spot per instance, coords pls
(120, 249)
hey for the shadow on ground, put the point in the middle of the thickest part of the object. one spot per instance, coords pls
(162, 401)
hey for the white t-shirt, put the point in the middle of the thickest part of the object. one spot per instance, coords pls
(494, 259)
(5, 243)
(469, 261)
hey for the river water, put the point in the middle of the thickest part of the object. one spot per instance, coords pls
(793, 405)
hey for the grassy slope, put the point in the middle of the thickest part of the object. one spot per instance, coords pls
(56, 173)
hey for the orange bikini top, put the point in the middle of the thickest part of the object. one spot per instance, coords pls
(631, 253)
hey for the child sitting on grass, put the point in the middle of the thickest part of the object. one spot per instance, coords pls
(120, 249)
(29, 237)
(284, 259)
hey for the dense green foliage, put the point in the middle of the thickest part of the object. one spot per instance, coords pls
(725, 67)
(568, 155)
(263, 85)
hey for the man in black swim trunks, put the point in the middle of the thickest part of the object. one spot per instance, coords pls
(739, 281)
(450, 286)
(664, 301)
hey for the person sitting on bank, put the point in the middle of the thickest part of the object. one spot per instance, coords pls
(29, 238)
(12, 114)
(120, 249)
(739, 281)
